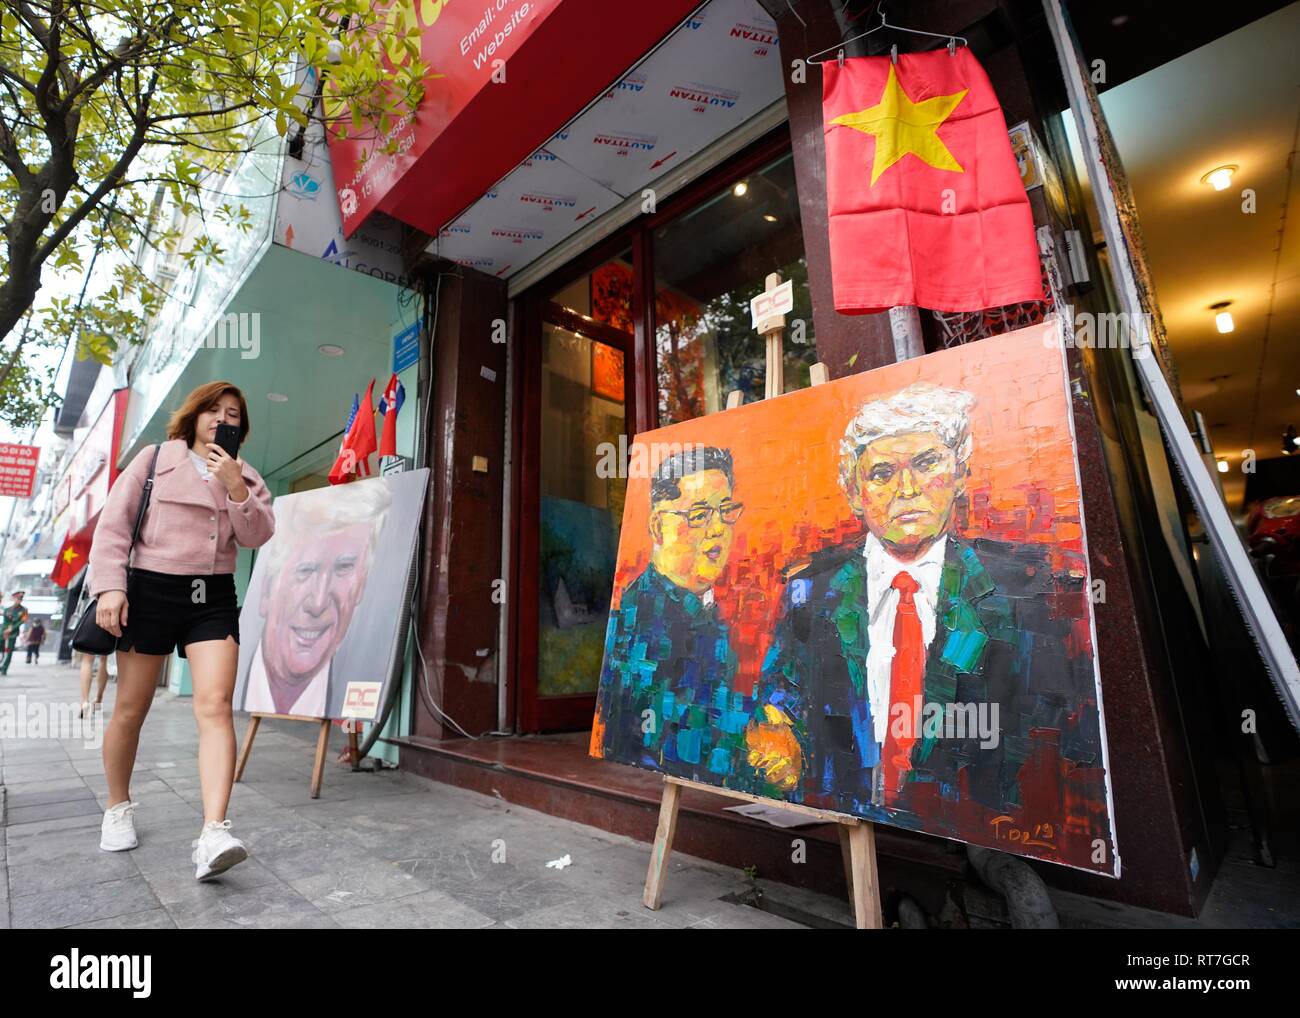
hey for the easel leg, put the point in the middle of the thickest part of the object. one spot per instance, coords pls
(249, 736)
(318, 771)
(654, 881)
(846, 856)
(865, 884)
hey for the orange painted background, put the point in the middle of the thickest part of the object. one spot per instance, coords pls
(1022, 485)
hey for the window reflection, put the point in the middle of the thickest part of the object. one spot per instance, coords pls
(708, 263)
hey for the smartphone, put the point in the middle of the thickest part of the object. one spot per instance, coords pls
(228, 439)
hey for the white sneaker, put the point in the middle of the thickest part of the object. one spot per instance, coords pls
(118, 831)
(216, 850)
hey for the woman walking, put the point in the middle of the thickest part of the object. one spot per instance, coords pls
(87, 676)
(88, 660)
(179, 591)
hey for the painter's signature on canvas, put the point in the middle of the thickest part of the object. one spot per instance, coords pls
(1042, 835)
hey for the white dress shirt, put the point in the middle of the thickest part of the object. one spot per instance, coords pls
(201, 465)
(311, 703)
(882, 602)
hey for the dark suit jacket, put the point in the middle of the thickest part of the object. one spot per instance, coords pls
(1003, 636)
(669, 653)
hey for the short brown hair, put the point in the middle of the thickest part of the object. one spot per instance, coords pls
(184, 419)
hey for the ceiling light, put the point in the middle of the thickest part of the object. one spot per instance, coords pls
(1223, 466)
(770, 218)
(1220, 177)
(277, 397)
(1223, 317)
(740, 189)
(331, 349)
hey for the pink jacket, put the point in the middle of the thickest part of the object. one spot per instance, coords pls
(190, 528)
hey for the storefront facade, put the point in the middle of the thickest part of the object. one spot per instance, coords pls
(584, 278)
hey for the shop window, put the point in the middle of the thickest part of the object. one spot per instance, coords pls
(709, 262)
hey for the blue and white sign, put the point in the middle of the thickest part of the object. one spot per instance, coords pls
(406, 347)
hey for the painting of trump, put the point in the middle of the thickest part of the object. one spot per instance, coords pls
(316, 593)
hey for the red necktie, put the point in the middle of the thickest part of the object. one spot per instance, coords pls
(906, 678)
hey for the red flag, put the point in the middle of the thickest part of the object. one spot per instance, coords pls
(924, 196)
(71, 558)
(389, 405)
(358, 442)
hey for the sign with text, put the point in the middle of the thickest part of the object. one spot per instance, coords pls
(492, 96)
(772, 303)
(18, 469)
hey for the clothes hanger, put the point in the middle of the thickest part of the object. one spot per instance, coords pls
(893, 50)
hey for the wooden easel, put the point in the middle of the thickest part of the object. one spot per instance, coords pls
(322, 746)
(857, 836)
(857, 845)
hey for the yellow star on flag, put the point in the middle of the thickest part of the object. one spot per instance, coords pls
(69, 555)
(901, 126)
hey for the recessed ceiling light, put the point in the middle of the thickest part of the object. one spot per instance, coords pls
(331, 350)
(740, 189)
(1223, 317)
(1220, 177)
(277, 397)
(770, 218)
(1223, 466)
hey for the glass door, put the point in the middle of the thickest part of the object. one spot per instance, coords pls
(580, 426)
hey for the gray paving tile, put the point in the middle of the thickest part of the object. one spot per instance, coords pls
(427, 910)
(91, 866)
(69, 905)
(154, 919)
(590, 912)
(69, 791)
(79, 807)
(363, 882)
(14, 774)
(268, 907)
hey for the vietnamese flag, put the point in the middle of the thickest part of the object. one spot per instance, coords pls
(924, 196)
(71, 559)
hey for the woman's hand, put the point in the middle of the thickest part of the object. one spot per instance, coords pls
(110, 611)
(227, 469)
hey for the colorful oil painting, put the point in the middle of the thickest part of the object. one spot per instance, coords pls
(607, 372)
(872, 596)
(321, 620)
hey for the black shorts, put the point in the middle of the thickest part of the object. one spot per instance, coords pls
(166, 611)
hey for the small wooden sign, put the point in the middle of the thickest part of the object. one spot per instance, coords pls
(769, 308)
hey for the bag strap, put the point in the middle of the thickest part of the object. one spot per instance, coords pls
(144, 502)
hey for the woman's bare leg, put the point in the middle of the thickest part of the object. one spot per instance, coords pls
(137, 678)
(103, 678)
(213, 664)
(87, 664)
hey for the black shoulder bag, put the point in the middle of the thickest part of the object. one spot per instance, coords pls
(88, 637)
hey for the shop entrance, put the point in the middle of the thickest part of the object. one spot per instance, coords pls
(650, 328)
(581, 399)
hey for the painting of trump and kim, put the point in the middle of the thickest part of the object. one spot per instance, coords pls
(321, 619)
(872, 596)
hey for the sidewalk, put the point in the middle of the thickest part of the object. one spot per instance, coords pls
(375, 850)
(389, 849)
